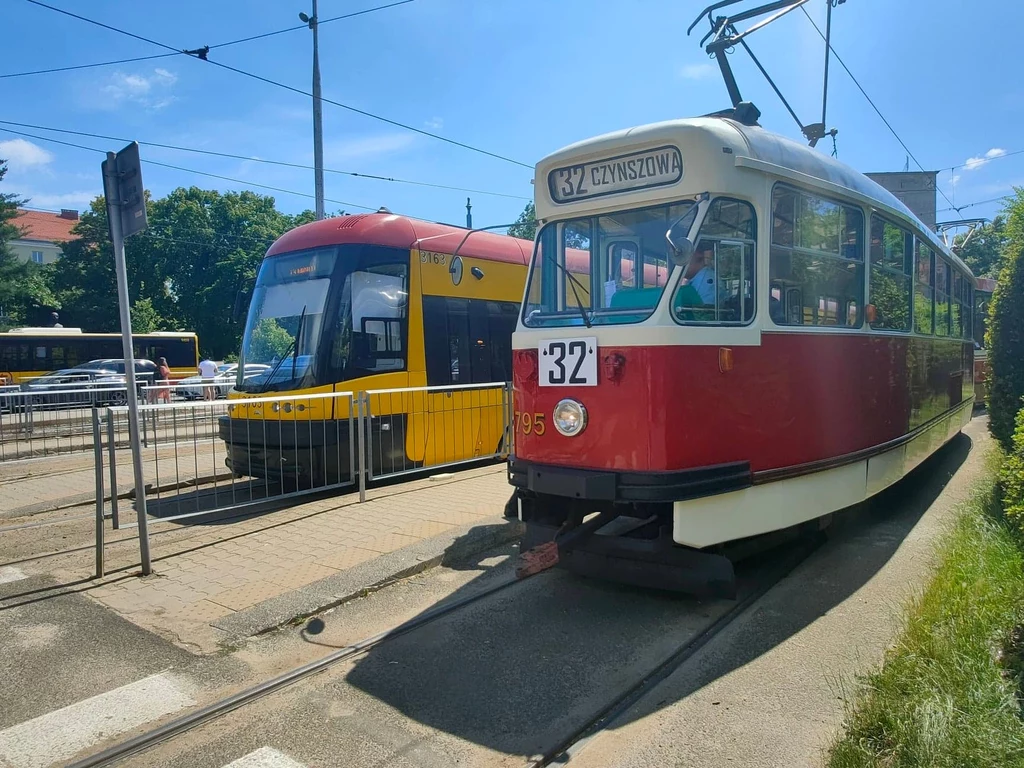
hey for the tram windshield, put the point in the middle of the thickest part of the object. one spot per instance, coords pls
(326, 315)
(603, 270)
(286, 318)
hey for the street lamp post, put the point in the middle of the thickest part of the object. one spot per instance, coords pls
(318, 128)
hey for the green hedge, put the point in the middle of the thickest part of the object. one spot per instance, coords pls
(1011, 477)
(1005, 337)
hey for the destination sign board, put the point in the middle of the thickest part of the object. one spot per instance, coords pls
(614, 175)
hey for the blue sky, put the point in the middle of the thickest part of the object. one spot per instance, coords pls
(520, 78)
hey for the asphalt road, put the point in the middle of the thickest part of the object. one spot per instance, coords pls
(504, 679)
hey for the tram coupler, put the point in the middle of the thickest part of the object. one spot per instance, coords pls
(616, 554)
(547, 554)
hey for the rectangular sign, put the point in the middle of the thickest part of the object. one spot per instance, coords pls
(568, 362)
(614, 175)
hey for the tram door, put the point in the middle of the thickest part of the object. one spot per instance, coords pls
(467, 341)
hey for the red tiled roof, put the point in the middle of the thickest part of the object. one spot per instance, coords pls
(45, 226)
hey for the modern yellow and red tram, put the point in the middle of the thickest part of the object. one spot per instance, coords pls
(809, 346)
(376, 302)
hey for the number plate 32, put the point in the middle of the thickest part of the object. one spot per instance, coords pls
(568, 362)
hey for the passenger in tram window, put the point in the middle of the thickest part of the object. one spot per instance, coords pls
(700, 272)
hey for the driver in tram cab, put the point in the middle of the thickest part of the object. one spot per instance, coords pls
(700, 272)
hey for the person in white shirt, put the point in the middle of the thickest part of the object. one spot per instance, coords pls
(700, 272)
(208, 370)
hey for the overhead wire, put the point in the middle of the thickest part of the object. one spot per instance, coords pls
(283, 163)
(977, 202)
(201, 54)
(192, 170)
(319, 22)
(212, 47)
(89, 66)
(157, 233)
(869, 100)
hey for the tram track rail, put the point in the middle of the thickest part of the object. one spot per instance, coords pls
(575, 742)
(561, 752)
(210, 712)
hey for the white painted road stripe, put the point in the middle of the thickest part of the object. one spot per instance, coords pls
(9, 573)
(265, 757)
(61, 734)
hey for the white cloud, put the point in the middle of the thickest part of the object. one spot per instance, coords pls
(435, 123)
(974, 163)
(367, 146)
(21, 155)
(79, 200)
(165, 77)
(698, 71)
(149, 91)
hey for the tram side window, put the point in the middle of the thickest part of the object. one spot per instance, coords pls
(956, 306)
(892, 266)
(968, 308)
(817, 260)
(924, 291)
(468, 341)
(942, 271)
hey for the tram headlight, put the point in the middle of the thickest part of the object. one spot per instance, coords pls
(570, 417)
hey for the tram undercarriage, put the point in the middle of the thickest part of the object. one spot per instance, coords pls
(618, 526)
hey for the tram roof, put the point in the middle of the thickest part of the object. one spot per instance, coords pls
(770, 152)
(392, 230)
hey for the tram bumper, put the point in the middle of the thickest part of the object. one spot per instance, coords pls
(311, 452)
(632, 541)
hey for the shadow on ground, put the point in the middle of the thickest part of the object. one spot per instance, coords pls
(519, 671)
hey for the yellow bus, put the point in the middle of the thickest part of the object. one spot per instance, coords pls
(376, 302)
(29, 352)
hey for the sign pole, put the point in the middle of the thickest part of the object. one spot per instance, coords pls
(114, 182)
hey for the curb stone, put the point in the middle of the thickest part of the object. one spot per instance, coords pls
(457, 545)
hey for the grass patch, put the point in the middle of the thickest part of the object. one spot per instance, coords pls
(948, 692)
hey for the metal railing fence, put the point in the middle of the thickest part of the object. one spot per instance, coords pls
(47, 422)
(39, 419)
(207, 460)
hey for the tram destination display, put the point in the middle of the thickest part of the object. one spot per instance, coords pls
(625, 173)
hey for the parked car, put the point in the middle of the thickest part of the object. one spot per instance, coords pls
(99, 382)
(227, 373)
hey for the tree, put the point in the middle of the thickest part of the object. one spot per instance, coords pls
(22, 284)
(526, 225)
(145, 318)
(184, 271)
(984, 248)
(1005, 336)
(211, 246)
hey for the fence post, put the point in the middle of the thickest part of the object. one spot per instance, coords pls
(510, 433)
(97, 451)
(115, 519)
(361, 434)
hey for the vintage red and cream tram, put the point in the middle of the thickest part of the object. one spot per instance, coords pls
(725, 333)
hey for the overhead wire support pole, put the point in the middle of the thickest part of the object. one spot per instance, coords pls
(318, 115)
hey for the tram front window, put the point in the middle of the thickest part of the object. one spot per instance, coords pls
(603, 270)
(286, 318)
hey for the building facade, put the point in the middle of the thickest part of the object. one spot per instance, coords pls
(43, 234)
(915, 189)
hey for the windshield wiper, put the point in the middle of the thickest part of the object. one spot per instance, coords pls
(298, 337)
(573, 282)
(293, 351)
(277, 365)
